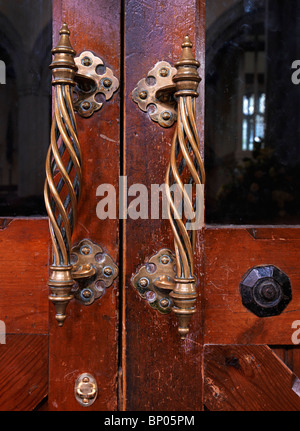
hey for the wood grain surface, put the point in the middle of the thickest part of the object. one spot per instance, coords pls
(24, 254)
(23, 372)
(160, 371)
(247, 378)
(88, 341)
(229, 253)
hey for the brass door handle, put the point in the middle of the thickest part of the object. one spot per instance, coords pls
(84, 271)
(64, 177)
(185, 154)
(185, 167)
(64, 144)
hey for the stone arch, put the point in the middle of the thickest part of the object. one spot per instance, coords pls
(230, 25)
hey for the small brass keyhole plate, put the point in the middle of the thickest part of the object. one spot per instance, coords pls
(86, 389)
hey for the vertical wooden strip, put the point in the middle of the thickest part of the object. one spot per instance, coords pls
(156, 358)
(88, 341)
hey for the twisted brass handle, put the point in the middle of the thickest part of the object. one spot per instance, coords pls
(167, 288)
(63, 174)
(185, 167)
(77, 266)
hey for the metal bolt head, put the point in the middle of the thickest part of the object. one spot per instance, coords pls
(164, 302)
(85, 250)
(143, 282)
(165, 260)
(86, 293)
(85, 105)
(268, 292)
(143, 95)
(107, 83)
(86, 61)
(265, 290)
(107, 271)
(85, 379)
(164, 72)
(166, 115)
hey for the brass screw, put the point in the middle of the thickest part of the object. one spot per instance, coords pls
(164, 72)
(85, 105)
(85, 250)
(107, 83)
(143, 282)
(164, 303)
(85, 379)
(86, 293)
(107, 271)
(164, 260)
(143, 95)
(86, 61)
(166, 115)
(85, 400)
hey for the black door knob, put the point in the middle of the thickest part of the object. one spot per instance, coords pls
(265, 290)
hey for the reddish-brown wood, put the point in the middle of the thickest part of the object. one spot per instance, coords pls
(247, 378)
(229, 253)
(290, 355)
(154, 370)
(88, 341)
(24, 249)
(23, 372)
(160, 372)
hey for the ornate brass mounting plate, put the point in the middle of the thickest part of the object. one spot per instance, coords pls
(89, 84)
(155, 94)
(93, 271)
(155, 280)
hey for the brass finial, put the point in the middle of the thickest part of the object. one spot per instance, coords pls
(187, 77)
(63, 65)
(184, 296)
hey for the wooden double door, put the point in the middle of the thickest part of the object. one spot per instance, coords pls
(232, 359)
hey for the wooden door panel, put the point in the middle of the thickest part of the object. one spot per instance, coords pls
(248, 378)
(160, 372)
(229, 253)
(23, 372)
(135, 353)
(88, 341)
(24, 251)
